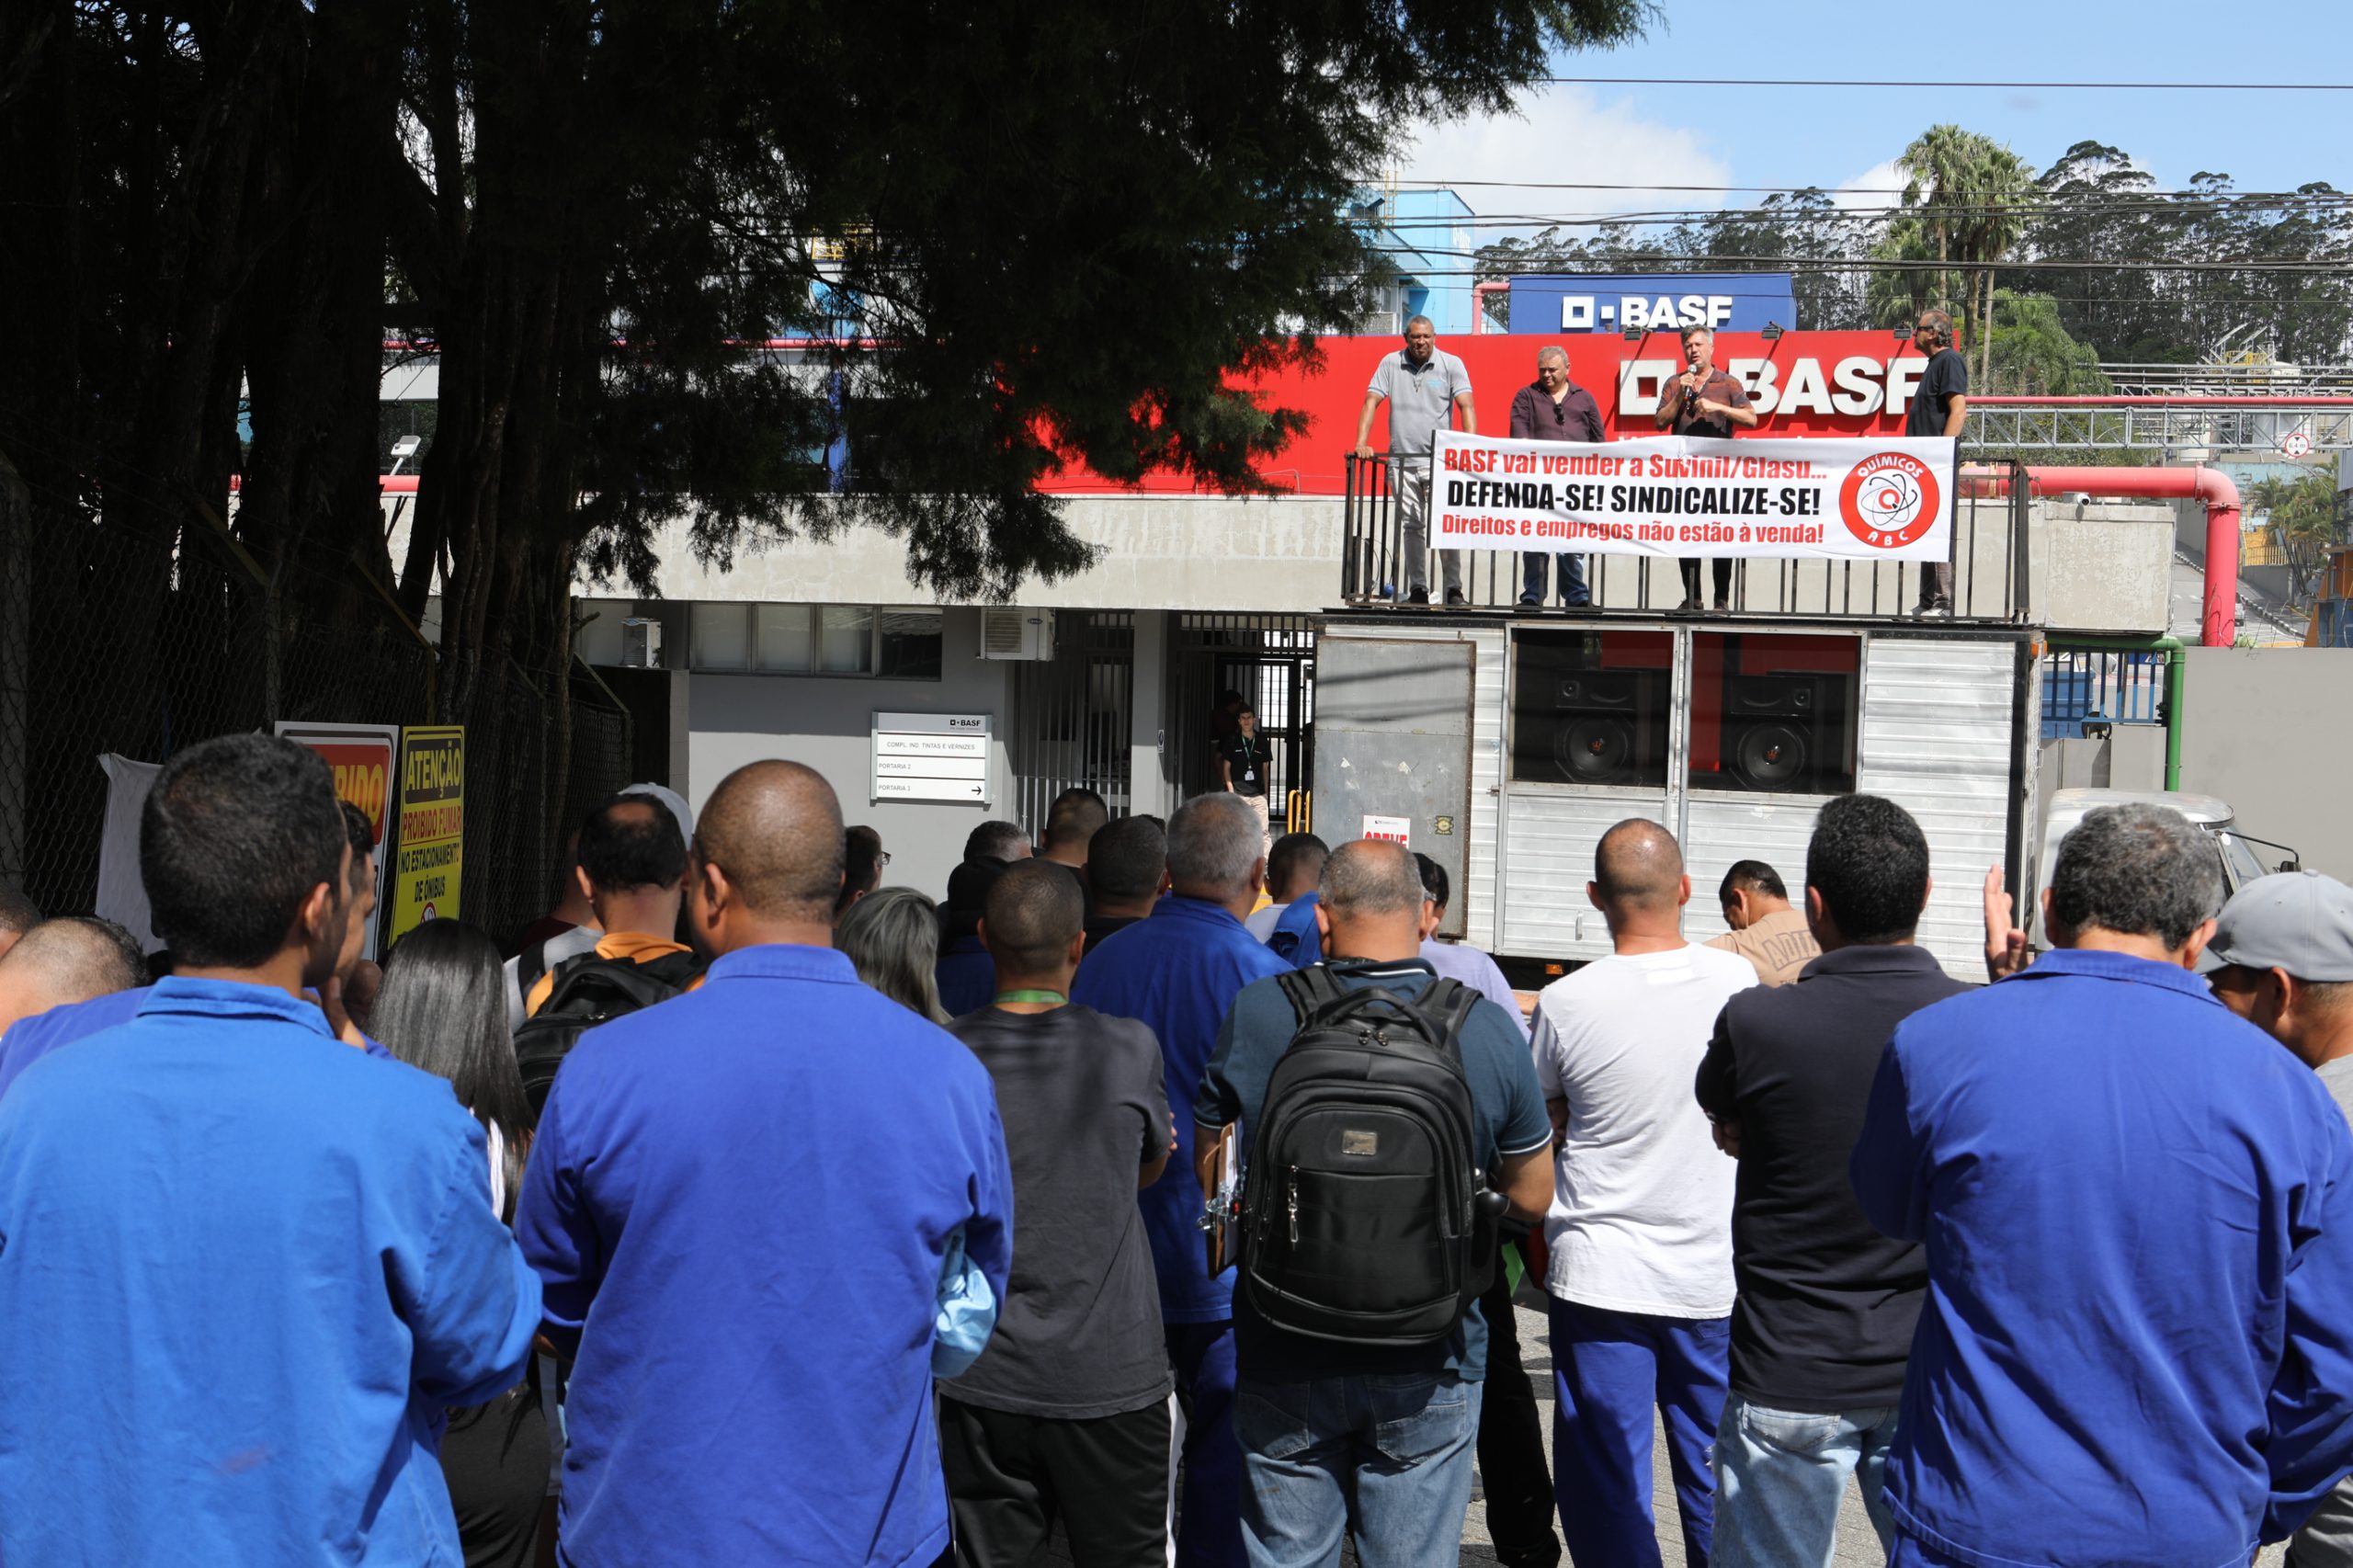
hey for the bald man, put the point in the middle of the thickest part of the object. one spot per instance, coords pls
(64, 963)
(740, 1203)
(1640, 1280)
(18, 915)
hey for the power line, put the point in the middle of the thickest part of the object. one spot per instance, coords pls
(2014, 86)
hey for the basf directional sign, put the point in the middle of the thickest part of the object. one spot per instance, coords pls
(932, 757)
(1663, 301)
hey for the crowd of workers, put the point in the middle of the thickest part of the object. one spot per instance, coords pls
(858, 1229)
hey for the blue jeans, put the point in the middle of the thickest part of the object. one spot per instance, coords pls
(1610, 1371)
(1779, 1477)
(1202, 1356)
(1389, 1455)
(1572, 589)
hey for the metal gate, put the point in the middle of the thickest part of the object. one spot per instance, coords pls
(1270, 660)
(1071, 716)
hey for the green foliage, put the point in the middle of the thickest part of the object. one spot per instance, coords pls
(2302, 515)
(2034, 357)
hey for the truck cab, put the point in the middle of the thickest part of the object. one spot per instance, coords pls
(2243, 858)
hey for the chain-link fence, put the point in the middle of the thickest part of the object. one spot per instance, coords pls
(111, 642)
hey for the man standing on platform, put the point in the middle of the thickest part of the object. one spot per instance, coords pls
(1423, 385)
(1554, 408)
(1703, 400)
(1939, 408)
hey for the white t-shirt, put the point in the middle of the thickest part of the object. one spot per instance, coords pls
(1261, 922)
(1642, 1200)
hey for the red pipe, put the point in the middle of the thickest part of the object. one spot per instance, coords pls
(2183, 400)
(2218, 618)
(1479, 292)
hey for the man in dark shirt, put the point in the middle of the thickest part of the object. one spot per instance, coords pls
(1339, 1435)
(1067, 1413)
(1939, 408)
(1827, 1304)
(1703, 400)
(1242, 766)
(1128, 864)
(1554, 408)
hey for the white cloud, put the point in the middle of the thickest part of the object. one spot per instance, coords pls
(1881, 185)
(1564, 134)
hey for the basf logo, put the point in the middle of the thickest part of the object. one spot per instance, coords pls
(1667, 302)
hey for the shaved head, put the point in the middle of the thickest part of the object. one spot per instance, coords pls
(1034, 910)
(1638, 868)
(72, 959)
(775, 829)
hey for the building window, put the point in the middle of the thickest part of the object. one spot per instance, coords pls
(719, 637)
(1774, 714)
(1592, 708)
(846, 639)
(906, 644)
(783, 634)
(831, 640)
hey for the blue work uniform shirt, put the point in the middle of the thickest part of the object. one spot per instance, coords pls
(28, 1039)
(1177, 970)
(1296, 939)
(2137, 1345)
(739, 1202)
(243, 1272)
(1510, 1119)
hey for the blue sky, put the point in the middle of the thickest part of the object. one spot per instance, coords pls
(1778, 136)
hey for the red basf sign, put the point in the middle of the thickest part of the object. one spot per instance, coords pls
(1803, 383)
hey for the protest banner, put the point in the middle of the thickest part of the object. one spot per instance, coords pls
(431, 848)
(1876, 498)
(362, 758)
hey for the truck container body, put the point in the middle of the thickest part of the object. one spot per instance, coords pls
(1505, 749)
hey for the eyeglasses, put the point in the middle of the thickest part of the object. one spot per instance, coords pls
(884, 859)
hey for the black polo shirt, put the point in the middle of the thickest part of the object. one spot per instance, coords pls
(1827, 1304)
(1246, 756)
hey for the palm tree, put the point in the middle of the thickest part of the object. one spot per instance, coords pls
(1975, 199)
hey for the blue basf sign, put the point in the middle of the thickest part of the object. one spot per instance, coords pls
(1660, 301)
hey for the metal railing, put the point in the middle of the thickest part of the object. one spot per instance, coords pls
(1990, 563)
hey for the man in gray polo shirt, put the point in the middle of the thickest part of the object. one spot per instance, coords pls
(2282, 960)
(1423, 385)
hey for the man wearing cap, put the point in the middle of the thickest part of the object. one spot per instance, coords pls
(2282, 960)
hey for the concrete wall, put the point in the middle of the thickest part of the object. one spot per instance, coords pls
(726, 721)
(2104, 568)
(1159, 553)
(2267, 730)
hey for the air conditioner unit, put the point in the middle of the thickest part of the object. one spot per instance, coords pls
(1016, 634)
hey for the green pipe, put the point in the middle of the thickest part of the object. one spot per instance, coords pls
(2177, 679)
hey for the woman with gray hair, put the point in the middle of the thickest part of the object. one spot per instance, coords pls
(892, 940)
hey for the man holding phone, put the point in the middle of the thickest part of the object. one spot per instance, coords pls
(1703, 400)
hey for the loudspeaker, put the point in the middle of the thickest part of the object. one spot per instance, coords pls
(1775, 726)
(1610, 729)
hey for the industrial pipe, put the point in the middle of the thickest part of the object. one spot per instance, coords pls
(1479, 292)
(2219, 617)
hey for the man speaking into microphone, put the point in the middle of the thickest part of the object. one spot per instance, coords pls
(1703, 400)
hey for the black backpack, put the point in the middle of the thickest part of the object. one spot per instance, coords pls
(1366, 1217)
(590, 989)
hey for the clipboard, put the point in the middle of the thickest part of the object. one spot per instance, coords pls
(1220, 1217)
